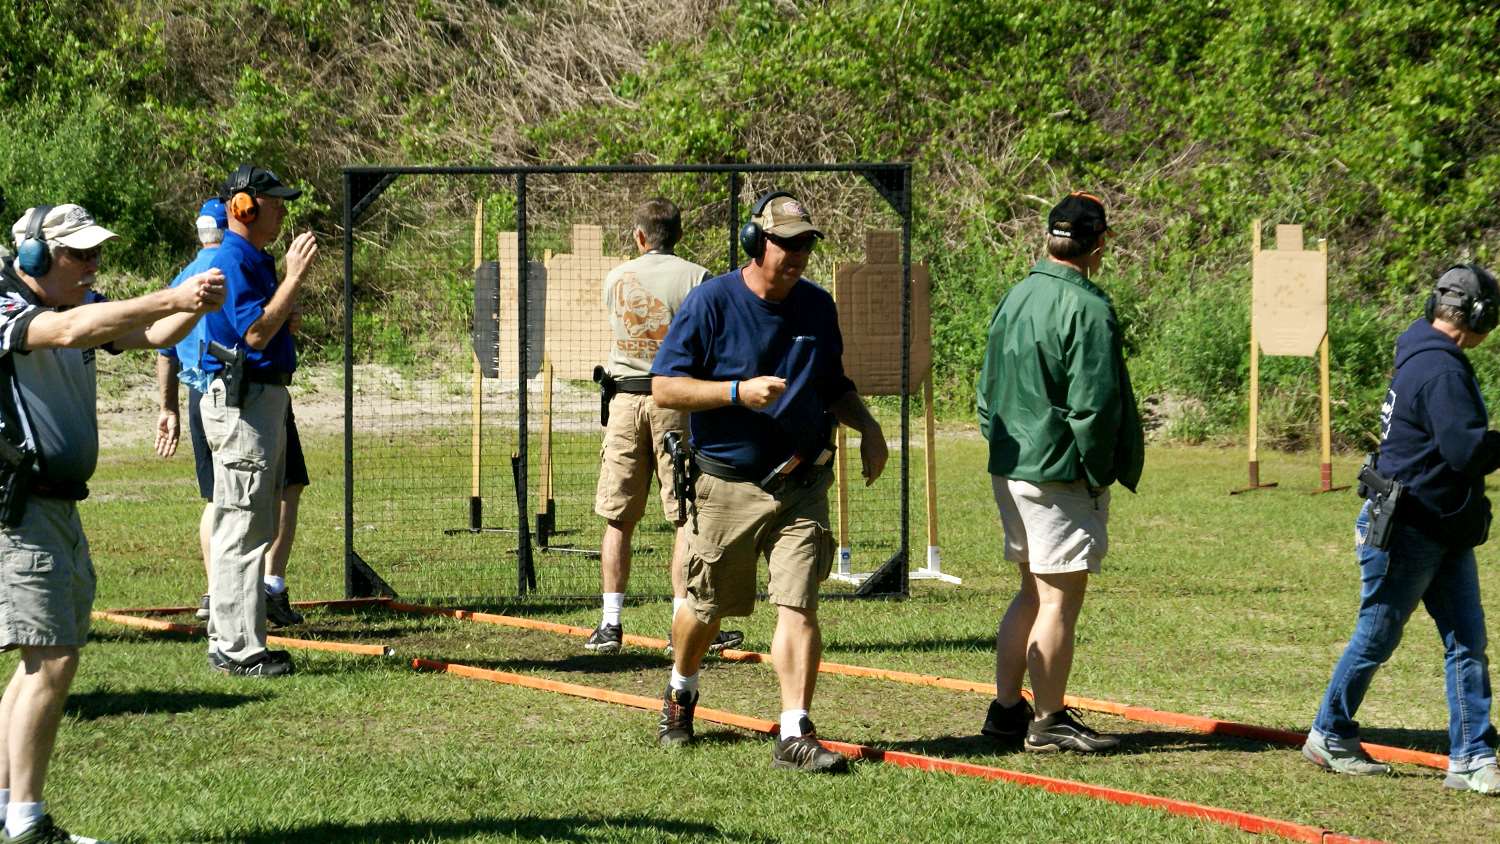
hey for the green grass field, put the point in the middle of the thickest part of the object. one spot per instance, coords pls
(1234, 607)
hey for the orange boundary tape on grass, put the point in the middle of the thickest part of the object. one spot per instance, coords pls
(1141, 714)
(1213, 814)
(340, 603)
(199, 630)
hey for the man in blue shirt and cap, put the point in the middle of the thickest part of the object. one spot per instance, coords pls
(182, 363)
(244, 414)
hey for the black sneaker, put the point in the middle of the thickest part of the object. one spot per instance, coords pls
(675, 728)
(45, 831)
(202, 613)
(1008, 724)
(279, 610)
(1063, 731)
(605, 639)
(726, 639)
(804, 753)
(267, 664)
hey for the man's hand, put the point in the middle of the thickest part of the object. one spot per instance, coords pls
(762, 391)
(872, 453)
(166, 433)
(200, 294)
(300, 256)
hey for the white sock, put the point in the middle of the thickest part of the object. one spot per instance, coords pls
(20, 817)
(677, 604)
(791, 722)
(613, 603)
(275, 585)
(683, 684)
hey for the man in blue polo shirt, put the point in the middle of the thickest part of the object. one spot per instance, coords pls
(183, 362)
(757, 357)
(244, 418)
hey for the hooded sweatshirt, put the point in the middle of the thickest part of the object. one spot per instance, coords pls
(1435, 438)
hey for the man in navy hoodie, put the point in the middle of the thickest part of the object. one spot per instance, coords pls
(1435, 440)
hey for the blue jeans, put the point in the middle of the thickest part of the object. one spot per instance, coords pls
(1446, 580)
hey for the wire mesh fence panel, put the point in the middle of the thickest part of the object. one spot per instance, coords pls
(438, 412)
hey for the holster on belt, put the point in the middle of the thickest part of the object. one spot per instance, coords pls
(17, 471)
(684, 476)
(608, 386)
(233, 373)
(798, 470)
(1384, 495)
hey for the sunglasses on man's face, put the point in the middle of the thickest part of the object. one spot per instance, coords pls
(800, 243)
(83, 256)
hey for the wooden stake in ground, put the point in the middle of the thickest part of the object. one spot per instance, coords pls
(476, 501)
(1289, 317)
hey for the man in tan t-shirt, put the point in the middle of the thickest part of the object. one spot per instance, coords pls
(640, 297)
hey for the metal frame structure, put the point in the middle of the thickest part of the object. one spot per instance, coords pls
(363, 185)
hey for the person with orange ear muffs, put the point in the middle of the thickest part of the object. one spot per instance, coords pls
(250, 365)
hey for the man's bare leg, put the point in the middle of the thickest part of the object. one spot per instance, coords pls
(1049, 652)
(286, 531)
(796, 650)
(1012, 639)
(30, 713)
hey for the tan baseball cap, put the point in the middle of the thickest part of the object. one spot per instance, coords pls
(785, 216)
(65, 225)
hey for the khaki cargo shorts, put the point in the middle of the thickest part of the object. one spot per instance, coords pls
(631, 453)
(738, 524)
(1053, 528)
(46, 578)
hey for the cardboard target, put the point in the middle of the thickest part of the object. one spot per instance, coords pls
(869, 302)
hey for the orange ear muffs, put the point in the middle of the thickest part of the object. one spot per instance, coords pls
(243, 207)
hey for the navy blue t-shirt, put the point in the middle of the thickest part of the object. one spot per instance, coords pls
(249, 284)
(724, 332)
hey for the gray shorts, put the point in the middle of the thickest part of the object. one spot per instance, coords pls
(46, 578)
(1053, 528)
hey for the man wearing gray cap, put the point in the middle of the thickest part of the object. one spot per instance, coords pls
(757, 358)
(1415, 535)
(51, 322)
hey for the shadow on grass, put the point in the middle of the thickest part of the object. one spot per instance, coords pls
(620, 663)
(1144, 742)
(1432, 741)
(565, 828)
(956, 643)
(90, 706)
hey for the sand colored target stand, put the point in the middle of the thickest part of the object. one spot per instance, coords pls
(1289, 317)
(869, 303)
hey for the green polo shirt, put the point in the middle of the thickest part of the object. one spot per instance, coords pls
(1054, 396)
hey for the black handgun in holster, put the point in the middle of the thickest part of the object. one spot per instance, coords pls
(233, 373)
(684, 477)
(1384, 495)
(608, 387)
(797, 470)
(17, 471)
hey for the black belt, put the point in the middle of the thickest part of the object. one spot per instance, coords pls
(638, 386)
(66, 490)
(724, 471)
(268, 376)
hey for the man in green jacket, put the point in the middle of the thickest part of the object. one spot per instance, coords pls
(1056, 405)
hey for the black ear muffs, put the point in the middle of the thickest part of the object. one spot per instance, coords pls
(241, 203)
(752, 236)
(33, 254)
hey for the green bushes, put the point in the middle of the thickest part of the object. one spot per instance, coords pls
(1372, 123)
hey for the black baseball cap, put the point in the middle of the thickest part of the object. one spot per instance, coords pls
(258, 181)
(1080, 216)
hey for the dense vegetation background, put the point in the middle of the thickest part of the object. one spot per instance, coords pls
(1372, 122)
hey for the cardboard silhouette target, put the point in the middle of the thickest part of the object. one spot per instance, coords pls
(577, 325)
(1289, 317)
(869, 298)
(510, 304)
(869, 305)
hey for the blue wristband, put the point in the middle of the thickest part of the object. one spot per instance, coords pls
(734, 392)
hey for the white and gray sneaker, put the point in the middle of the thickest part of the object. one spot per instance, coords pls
(1342, 756)
(1484, 779)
